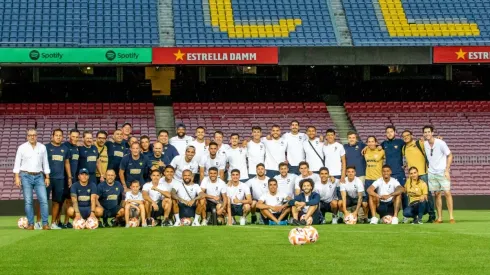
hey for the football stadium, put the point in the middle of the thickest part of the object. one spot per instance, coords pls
(194, 136)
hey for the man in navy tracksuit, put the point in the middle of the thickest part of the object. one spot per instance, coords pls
(305, 206)
(394, 158)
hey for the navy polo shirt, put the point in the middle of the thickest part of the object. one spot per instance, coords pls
(110, 195)
(354, 157)
(115, 153)
(135, 169)
(88, 158)
(74, 156)
(394, 155)
(56, 158)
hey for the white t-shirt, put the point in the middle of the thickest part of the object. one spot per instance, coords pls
(155, 195)
(275, 153)
(200, 148)
(255, 155)
(223, 150)
(286, 185)
(333, 153)
(315, 177)
(181, 143)
(237, 158)
(383, 188)
(180, 165)
(130, 196)
(352, 188)
(239, 192)
(295, 147)
(327, 191)
(207, 162)
(213, 188)
(437, 156)
(311, 154)
(167, 186)
(273, 200)
(258, 186)
(180, 189)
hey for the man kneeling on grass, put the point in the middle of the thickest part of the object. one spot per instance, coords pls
(84, 197)
(239, 199)
(135, 207)
(274, 206)
(305, 205)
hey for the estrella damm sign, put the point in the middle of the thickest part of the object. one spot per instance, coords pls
(461, 54)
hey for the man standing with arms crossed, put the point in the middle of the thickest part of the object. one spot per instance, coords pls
(440, 159)
(31, 161)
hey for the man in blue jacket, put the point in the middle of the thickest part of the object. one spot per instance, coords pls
(305, 205)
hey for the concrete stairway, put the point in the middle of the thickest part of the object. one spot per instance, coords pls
(339, 21)
(166, 23)
(341, 121)
(164, 119)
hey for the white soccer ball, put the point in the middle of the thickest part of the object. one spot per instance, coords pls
(309, 221)
(387, 219)
(297, 236)
(92, 223)
(134, 222)
(186, 221)
(311, 234)
(79, 224)
(350, 219)
(22, 223)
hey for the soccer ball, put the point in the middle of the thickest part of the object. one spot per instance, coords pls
(134, 222)
(185, 221)
(22, 223)
(350, 219)
(151, 222)
(92, 223)
(387, 219)
(297, 236)
(79, 224)
(309, 221)
(311, 234)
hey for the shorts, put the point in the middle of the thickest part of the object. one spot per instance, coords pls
(66, 189)
(325, 207)
(266, 220)
(317, 216)
(367, 184)
(237, 210)
(438, 183)
(133, 213)
(197, 178)
(210, 205)
(56, 189)
(385, 208)
(271, 173)
(156, 213)
(85, 212)
(111, 212)
(349, 202)
(187, 211)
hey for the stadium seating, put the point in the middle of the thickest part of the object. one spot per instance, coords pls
(240, 117)
(15, 119)
(78, 23)
(463, 125)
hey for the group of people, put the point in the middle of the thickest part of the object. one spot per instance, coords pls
(295, 178)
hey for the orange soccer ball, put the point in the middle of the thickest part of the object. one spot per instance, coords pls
(297, 236)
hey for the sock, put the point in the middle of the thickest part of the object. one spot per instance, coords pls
(177, 217)
(104, 220)
(197, 217)
(254, 218)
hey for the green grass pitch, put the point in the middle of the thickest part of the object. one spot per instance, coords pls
(462, 248)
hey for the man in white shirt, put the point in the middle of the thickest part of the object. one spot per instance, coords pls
(199, 143)
(304, 169)
(274, 206)
(334, 156)
(385, 196)
(440, 159)
(222, 148)
(188, 196)
(181, 141)
(154, 193)
(239, 198)
(31, 170)
(295, 141)
(258, 186)
(165, 187)
(328, 194)
(183, 162)
(255, 151)
(313, 149)
(212, 159)
(275, 151)
(236, 157)
(214, 196)
(352, 193)
(285, 180)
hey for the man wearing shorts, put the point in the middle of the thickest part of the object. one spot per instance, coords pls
(327, 188)
(154, 194)
(187, 194)
(385, 196)
(109, 195)
(84, 197)
(440, 159)
(239, 198)
(72, 145)
(214, 195)
(351, 193)
(273, 205)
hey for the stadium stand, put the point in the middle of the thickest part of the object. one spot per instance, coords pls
(15, 119)
(463, 125)
(240, 117)
(78, 23)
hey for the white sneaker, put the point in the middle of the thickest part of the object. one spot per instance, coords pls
(38, 226)
(405, 220)
(55, 226)
(335, 220)
(374, 220)
(144, 225)
(394, 220)
(196, 223)
(204, 222)
(177, 223)
(243, 221)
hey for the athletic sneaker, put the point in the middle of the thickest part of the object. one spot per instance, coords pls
(374, 220)
(295, 222)
(335, 220)
(68, 225)
(261, 221)
(394, 220)
(243, 221)
(196, 223)
(204, 222)
(302, 222)
(416, 221)
(271, 222)
(166, 222)
(144, 225)
(54, 226)
(284, 222)
(38, 226)
(177, 223)
(405, 220)
(127, 225)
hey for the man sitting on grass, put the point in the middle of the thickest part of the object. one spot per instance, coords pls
(274, 206)
(305, 205)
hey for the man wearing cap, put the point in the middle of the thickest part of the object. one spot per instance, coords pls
(84, 198)
(181, 141)
(31, 170)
